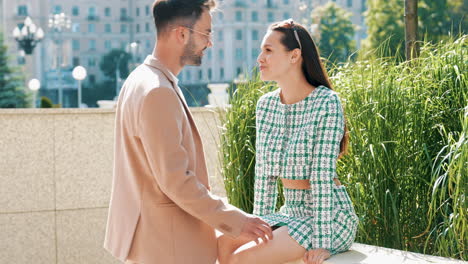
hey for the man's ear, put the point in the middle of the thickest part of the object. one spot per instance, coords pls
(296, 55)
(181, 34)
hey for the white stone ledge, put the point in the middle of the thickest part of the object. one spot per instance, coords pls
(368, 254)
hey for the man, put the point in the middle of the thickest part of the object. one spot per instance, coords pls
(161, 210)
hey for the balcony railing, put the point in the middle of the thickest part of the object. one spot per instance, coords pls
(125, 18)
(92, 18)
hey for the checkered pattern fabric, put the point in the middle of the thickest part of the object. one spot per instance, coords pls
(302, 141)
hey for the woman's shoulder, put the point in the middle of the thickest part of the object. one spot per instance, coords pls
(266, 99)
(327, 95)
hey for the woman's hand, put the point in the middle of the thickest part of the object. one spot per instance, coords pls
(316, 256)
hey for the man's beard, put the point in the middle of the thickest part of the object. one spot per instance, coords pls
(190, 57)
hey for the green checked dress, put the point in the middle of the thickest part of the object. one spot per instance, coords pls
(302, 141)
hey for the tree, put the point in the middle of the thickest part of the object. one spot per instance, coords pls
(336, 32)
(101, 91)
(436, 19)
(411, 29)
(110, 60)
(458, 12)
(12, 90)
(385, 24)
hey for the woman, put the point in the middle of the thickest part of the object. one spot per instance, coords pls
(301, 133)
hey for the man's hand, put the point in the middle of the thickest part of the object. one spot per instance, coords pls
(256, 229)
(316, 256)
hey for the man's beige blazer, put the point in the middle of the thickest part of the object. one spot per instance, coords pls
(161, 210)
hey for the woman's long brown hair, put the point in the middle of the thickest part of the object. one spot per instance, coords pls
(312, 66)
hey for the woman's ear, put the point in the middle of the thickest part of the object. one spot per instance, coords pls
(296, 55)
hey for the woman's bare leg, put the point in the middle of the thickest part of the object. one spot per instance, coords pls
(227, 246)
(281, 249)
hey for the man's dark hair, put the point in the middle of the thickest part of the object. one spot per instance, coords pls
(166, 12)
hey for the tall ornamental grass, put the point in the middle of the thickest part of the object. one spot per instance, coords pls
(403, 120)
(406, 170)
(237, 140)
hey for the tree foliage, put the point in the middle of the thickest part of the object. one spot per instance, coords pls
(336, 32)
(12, 91)
(436, 21)
(110, 60)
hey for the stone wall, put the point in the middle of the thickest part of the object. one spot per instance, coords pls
(56, 174)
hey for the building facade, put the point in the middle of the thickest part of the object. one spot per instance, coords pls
(99, 26)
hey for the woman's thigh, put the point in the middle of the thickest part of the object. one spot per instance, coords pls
(281, 249)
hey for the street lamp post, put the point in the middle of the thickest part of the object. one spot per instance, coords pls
(58, 23)
(34, 85)
(28, 36)
(134, 50)
(117, 75)
(79, 73)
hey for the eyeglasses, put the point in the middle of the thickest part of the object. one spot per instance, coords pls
(289, 23)
(208, 35)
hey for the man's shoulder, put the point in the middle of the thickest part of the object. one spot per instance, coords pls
(151, 77)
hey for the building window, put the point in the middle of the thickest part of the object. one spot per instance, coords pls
(123, 12)
(221, 54)
(92, 11)
(238, 71)
(107, 12)
(137, 28)
(254, 34)
(350, 3)
(108, 28)
(200, 74)
(92, 78)
(21, 60)
(76, 44)
(147, 27)
(137, 11)
(107, 44)
(255, 53)
(220, 36)
(286, 15)
(57, 9)
(239, 54)
(271, 17)
(22, 10)
(254, 16)
(238, 16)
(92, 44)
(239, 34)
(209, 74)
(75, 11)
(76, 61)
(92, 62)
(221, 73)
(91, 28)
(76, 27)
(147, 10)
(148, 44)
(286, 2)
(209, 54)
(123, 28)
(189, 75)
(220, 16)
